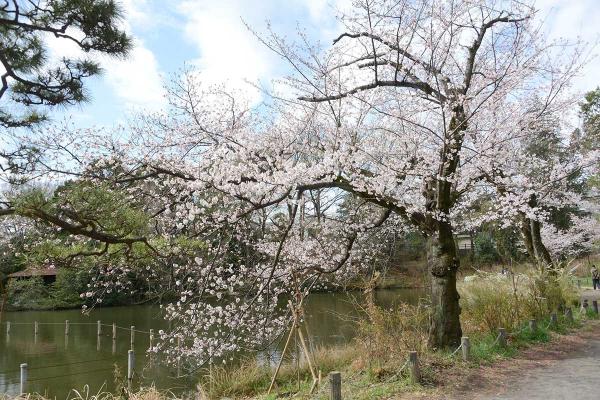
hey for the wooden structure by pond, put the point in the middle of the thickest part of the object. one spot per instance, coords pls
(48, 274)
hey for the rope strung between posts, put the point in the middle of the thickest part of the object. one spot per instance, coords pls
(497, 339)
(76, 323)
(71, 363)
(61, 365)
(455, 351)
(70, 374)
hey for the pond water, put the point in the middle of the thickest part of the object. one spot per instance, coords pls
(58, 363)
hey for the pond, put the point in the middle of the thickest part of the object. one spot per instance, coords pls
(58, 363)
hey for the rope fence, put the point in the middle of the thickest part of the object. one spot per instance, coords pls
(11, 323)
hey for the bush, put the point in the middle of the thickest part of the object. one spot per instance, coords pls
(65, 292)
(30, 293)
(485, 248)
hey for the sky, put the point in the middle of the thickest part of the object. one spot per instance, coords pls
(211, 35)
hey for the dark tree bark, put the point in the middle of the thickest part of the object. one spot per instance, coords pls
(445, 329)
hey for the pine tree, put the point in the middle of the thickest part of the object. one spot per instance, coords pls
(30, 82)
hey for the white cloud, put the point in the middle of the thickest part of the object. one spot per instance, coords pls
(574, 20)
(229, 53)
(136, 80)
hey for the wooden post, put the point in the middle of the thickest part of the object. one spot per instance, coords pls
(130, 367)
(179, 358)
(595, 306)
(132, 336)
(553, 320)
(532, 325)
(335, 384)
(584, 306)
(466, 347)
(23, 383)
(8, 327)
(569, 314)
(35, 328)
(413, 363)
(151, 338)
(114, 331)
(502, 337)
(114, 346)
(67, 327)
(99, 329)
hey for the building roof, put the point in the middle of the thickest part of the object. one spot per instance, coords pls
(48, 271)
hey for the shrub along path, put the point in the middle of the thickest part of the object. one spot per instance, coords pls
(567, 368)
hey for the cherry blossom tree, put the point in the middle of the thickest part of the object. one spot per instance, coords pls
(395, 126)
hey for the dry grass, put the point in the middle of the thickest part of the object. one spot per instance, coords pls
(490, 301)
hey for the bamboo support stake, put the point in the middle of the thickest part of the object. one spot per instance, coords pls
(287, 343)
(114, 336)
(132, 336)
(99, 328)
(67, 326)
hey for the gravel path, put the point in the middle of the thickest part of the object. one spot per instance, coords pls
(576, 377)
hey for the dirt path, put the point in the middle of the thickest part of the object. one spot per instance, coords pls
(575, 377)
(568, 368)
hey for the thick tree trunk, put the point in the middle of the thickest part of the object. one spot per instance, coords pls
(539, 249)
(525, 228)
(532, 237)
(444, 330)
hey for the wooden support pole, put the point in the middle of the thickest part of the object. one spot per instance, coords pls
(132, 336)
(287, 343)
(114, 331)
(532, 325)
(595, 306)
(466, 347)
(99, 328)
(23, 381)
(67, 327)
(8, 327)
(413, 363)
(335, 385)
(502, 337)
(35, 328)
(151, 338)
